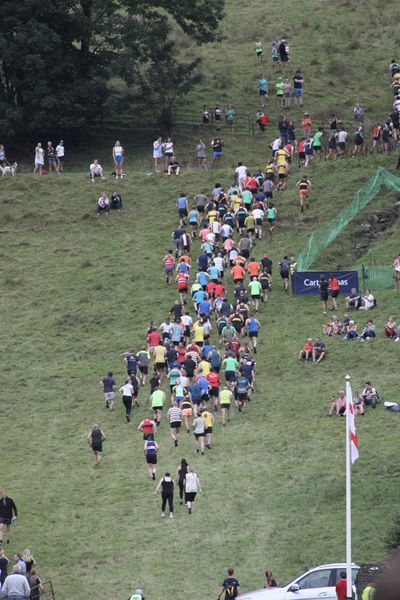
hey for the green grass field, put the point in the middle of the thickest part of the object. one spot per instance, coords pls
(78, 291)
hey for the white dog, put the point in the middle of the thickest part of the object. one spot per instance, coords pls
(11, 169)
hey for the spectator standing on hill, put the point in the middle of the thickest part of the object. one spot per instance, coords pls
(4, 562)
(201, 154)
(118, 158)
(51, 157)
(39, 159)
(95, 439)
(217, 117)
(158, 154)
(323, 285)
(306, 125)
(274, 53)
(60, 153)
(230, 114)
(358, 113)
(230, 586)
(109, 385)
(35, 583)
(342, 137)
(8, 514)
(167, 494)
(205, 117)
(16, 586)
(396, 272)
(280, 92)
(298, 88)
(284, 53)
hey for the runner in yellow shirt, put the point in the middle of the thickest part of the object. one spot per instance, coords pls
(160, 355)
(208, 426)
(225, 400)
(198, 332)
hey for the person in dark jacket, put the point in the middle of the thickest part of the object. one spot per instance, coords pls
(167, 494)
(8, 514)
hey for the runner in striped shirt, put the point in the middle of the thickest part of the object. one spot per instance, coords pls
(169, 264)
(175, 422)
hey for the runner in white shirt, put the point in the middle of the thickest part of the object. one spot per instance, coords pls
(342, 137)
(240, 173)
(166, 329)
(188, 322)
(276, 144)
(258, 214)
(226, 231)
(60, 153)
(219, 263)
(127, 392)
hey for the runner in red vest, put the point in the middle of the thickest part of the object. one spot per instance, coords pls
(169, 264)
(182, 281)
(335, 290)
(148, 427)
(214, 380)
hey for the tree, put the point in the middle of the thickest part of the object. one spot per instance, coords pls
(58, 56)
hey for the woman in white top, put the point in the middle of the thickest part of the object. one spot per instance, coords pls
(192, 486)
(39, 159)
(157, 153)
(369, 301)
(118, 156)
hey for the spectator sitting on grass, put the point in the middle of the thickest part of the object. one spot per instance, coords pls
(96, 170)
(116, 201)
(103, 204)
(353, 300)
(318, 351)
(173, 166)
(369, 330)
(358, 402)
(333, 326)
(352, 332)
(306, 353)
(370, 395)
(338, 405)
(369, 301)
(345, 323)
(391, 330)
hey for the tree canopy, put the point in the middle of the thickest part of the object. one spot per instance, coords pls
(58, 56)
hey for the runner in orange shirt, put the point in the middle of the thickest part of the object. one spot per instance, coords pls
(182, 280)
(237, 273)
(335, 290)
(253, 268)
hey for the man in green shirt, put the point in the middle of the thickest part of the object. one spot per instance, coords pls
(230, 364)
(317, 142)
(230, 117)
(157, 404)
(255, 293)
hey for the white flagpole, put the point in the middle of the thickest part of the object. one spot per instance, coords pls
(349, 399)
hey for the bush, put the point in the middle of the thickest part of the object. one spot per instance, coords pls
(393, 535)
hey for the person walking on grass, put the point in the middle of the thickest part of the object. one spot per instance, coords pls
(95, 439)
(8, 514)
(335, 290)
(199, 433)
(252, 327)
(304, 186)
(230, 586)
(284, 271)
(109, 385)
(175, 422)
(150, 453)
(127, 392)
(148, 428)
(180, 479)
(167, 494)
(192, 487)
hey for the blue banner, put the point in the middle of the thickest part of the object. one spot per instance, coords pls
(306, 282)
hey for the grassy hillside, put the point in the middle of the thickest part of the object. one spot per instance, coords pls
(77, 291)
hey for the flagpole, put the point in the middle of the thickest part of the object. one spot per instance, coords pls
(349, 400)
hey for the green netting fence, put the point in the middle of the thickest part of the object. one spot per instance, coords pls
(376, 277)
(323, 236)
